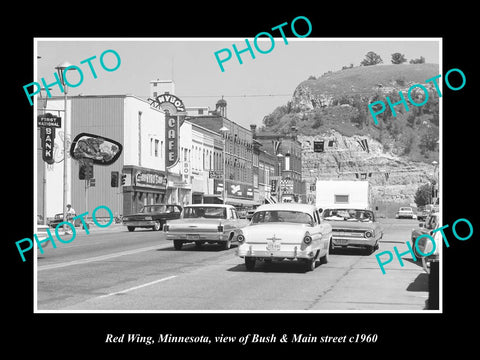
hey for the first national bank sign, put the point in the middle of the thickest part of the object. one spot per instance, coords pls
(174, 113)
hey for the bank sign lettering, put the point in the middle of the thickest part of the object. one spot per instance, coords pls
(171, 145)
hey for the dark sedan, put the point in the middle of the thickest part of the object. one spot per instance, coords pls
(152, 216)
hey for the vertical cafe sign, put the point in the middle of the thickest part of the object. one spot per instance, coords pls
(174, 116)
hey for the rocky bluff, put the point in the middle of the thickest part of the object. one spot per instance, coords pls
(396, 156)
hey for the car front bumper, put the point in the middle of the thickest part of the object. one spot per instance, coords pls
(286, 251)
(139, 223)
(347, 241)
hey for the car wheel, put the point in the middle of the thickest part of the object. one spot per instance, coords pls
(227, 244)
(324, 259)
(131, 228)
(177, 244)
(157, 226)
(415, 252)
(369, 250)
(331, 247)
(250, 263)
(310, 264)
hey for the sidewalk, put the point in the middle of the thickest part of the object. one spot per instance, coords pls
(92, 229)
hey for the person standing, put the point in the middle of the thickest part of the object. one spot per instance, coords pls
(70, 215)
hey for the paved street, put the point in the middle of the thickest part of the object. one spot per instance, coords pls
(113, 269)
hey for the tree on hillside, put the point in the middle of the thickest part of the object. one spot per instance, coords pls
(423, 196)
(398, 58)
(371, 59)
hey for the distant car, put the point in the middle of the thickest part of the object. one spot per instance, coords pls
(405, 212)
(431, 223)
(152, 216)
(354, 227)
(205, 223)
(285, 231)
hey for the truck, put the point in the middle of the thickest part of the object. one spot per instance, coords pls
(343, 194)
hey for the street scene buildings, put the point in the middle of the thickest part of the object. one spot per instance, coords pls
(259, 168)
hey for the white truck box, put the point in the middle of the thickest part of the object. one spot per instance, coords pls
(342, 194)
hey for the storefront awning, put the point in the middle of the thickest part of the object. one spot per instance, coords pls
(242, 202)
(231, 201)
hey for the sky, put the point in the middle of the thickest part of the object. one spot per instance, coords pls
(252, 89)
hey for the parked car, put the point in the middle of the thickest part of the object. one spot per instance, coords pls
(405, 212)
(424, 211)
(354, 227)
(152, 216)
(431, 223)
(58, 218)
(285, 231)
(205, 223)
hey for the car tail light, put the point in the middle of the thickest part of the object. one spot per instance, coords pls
(220, 228)
(307, 239)
(368, 234)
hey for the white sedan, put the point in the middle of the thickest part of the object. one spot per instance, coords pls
(285, 231)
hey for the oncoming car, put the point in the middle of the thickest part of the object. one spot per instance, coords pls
(285, 231)
(405, 212)
(354, 227)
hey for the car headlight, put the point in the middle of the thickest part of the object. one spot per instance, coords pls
(148, 218)
(368, 234)
(125, 218)
(165, 227)
(307, 239)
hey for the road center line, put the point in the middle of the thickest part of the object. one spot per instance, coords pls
(97, 258)
(137, 287)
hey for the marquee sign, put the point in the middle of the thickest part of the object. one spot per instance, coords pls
(168, 102)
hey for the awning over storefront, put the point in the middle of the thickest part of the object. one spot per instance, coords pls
(215, 199)
(241, 202)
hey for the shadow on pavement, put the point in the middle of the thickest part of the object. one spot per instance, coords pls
(195, 248)
(280, 267)
(419, 284)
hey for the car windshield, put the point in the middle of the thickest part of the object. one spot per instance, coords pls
(405, 209)
(281, 216)
(153, 209)
(348, 215)
(209, 212)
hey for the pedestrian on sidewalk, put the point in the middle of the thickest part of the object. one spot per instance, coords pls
(70, 215)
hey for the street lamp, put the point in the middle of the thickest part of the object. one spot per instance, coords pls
(224, 130)
(66, 161)
(43, 97)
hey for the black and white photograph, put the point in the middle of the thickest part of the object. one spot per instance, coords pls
(244, 189)
(210, 185)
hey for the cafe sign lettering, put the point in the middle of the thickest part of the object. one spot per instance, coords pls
(171, 145)
(168, 102)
